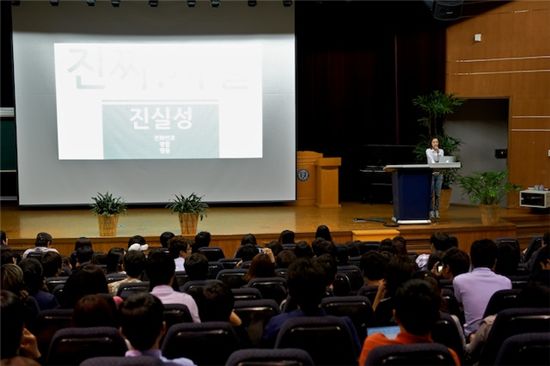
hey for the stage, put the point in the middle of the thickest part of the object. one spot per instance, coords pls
(228, 224)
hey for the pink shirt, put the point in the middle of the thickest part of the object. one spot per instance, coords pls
(167, 295)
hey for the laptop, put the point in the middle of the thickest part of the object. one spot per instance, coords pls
(390, 331)
(447, 159)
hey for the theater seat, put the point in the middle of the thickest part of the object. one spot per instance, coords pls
(212, 253)
(123, 361)
(255, 314)
(357, 308)
(420, 354)
(270, 357)
(271, 287)
(525, 349)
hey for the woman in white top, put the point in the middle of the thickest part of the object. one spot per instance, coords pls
(434, 155)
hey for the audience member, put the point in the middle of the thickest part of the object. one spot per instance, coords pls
(80, 242)
(33, 277)
(202, 240)
(474, 289)
(248, 239)
(453, 263)
(323, 232)
(275, 247)
(341, 254)
(3, 238)
(114, 260)
(286, 237)
(285, 258)
(165, 237)
(330, 268)
(8, 256)
(439, 243)
(142, 324)
(196, 267)
(530, 253)
(508, 257)
(12, 280)
(303, 250)
(52, 265)
(134, 265)
(416, 312)
(386, 245)
(246, 252)
(87, 280)
(96, 310)
(138, 239)
(179, 247)
(161, 269)
(262, 265)
(41, 244)
(541, 266)
(400, 244)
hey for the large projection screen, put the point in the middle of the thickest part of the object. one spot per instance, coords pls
(149, 102)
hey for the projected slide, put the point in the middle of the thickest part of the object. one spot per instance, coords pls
(193, 100)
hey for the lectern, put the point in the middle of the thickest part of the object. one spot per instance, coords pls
(411, 186)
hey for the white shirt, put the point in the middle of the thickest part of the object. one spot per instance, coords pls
(433, 156)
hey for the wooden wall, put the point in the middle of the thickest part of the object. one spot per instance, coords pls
(511, 61)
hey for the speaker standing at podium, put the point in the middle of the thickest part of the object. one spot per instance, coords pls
(434, 155)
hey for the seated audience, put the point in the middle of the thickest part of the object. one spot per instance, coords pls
(134, 265)
(52, 265)
(80, 242)
(179, 247)
(202, 240)
(114, 260)
(275, 247)
(400, 244)
(286, 237)
(321, 246)
(246, 252)
(41, 245)
(161, 270)
(454, 262)
(285, 258)
(439, 243)
(33, 276)
(97, 310)
(541, 266)
(508, 257)
(87, 280)
(262, 265)
(323, 232)
(165, 237)
(196, 267)
(7, 256)
(142, 324)
(3, 238)
(386, 245)
(140, 240)
(303, 250)
(416, 312)
(12, 280)
(373, 265)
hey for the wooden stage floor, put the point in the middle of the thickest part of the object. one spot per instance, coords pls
(228, 224)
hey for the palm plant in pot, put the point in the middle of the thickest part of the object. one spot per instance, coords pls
(190, 209)
(107, 208)
(487, 189)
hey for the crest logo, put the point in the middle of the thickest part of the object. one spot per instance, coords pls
(302, 175)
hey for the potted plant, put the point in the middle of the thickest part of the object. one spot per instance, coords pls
(487, 189)
(107, 208)
(190, 209)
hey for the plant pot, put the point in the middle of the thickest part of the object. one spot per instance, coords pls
(445, 200)
(490, 214)
(107, 225)
(188, 223)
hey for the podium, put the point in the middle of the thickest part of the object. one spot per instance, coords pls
(317, 180)
(411, 187)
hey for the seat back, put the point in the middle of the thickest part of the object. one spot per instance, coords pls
(212, 253)
(270, 357)
(246, 293)
(190, 286)
(282, 272)
(176, 313)
(52, 282)
(209, 343)
(354, 274)
(502, 299)
(123, 361)
(448, 332)
(341, 285)
(229, 263)
(255, 314)
(411, 354)
(357, 308)
(327, 339)
(181, 279)
(127, 289)
(271, 287)
(525, 349)
(234, 278)
(49, 322)
(114, 277)
(71, 346)
(213, 269)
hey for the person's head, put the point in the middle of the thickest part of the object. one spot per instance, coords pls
(261, 266)
(541, 264)
(400, 244)
(12, 313)
(440, 242)
(96, 310)
(84, 254)
(434, 143)
(12, 279)
(88, 279)
(285, 258)
(373, 265)
(33, 274)
(114, 259)
(417, 307)
(7, 256)
(202, 240)
(330, 267)
(141, 319)
(196, 267)
(455, 262)
(483, 253)
(51, 264)
(247, 252)
(303, 250)
(165, 237)
(134, 263)
(248, 239)
(306, 284)
(321, 246)
(3, 238)
(160, 268)
(286, 237)
(82, 242)
(275, 247)
(341, 254)
(178, 246)
(508, 257)
(43, 239)
(386, 245)
(398, 271)
(323, 232)
(216, 303)
(136, 239)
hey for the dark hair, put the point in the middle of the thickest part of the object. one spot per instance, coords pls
(302, 250)
(3, 236)
(541, 259)
(248, 239)
(457, 260)
(275, 247)
(321, 246)
(441, 241)
(196, 266)
(483, 253)
(136, 239)
(373, 264)
(165, 237)
(398, 271)
(33, 274)
(178, 244)
(88, 279)
(13, 319)
(386, 245)
(42, 239)
(341, 254)
(51, 263)
(323, 232)
(202, 239)
(114, 259)
(306, 284)
(330, 267)
(141, 319)
(82, 242)
(84, 254)
(6, 255)
(216, 303)
(160, 268)
(246, 252)
(286, 237)
(261, 266)
(134, 263)
(508, 257)
(12, 280)
(400, 244)
(417, 306)
(96, 310)
(285, 258)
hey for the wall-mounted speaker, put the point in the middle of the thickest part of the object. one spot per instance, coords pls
(445, 9)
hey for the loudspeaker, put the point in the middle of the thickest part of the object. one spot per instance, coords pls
(445, 9)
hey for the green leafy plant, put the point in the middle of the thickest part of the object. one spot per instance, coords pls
(435, 106)
(192, 204)
(105, 204)
(487, 188)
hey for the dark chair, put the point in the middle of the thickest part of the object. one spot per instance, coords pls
(341, 285)
(58, 292)
(355, 261)
(448, 332)
(282, 272)
(35, 255)
(229, 263)
(246, 264)
(246, 293)
(510, 322)
(181, 279)
(367, 246)
(213, 269)
(502, 299)
(176, 313)
(525, 349)
(271, 287)
(354, 274)
(410, 354)
(212, 253)
(327, 339)
(368, 291)
(234, 278)
(114, 277)
(209, 343)
(127, 289)
(49, 322)
(52, 282)
(255, 314)
(270, 357)
(71, 346)
(519, 281)
(357, 308)
(289, 246)
(189, 286)
(452, 304)
(123, 361)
